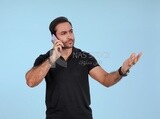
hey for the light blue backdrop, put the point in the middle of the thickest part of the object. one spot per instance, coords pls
(109, 29)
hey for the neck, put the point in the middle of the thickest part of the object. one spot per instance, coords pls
(66, 53)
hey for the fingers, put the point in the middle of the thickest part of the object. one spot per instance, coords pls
(139, 55)
(131, 59)
(134, 58)
(59, 43)
(130, 62)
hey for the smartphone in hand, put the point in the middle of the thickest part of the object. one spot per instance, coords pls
(53, 38)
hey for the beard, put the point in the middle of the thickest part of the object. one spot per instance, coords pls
(68, 44)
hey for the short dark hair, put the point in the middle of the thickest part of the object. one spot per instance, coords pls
(57, 21)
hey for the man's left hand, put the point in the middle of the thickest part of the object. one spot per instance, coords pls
(128, 63)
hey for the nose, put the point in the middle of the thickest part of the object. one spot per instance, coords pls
(69, 35)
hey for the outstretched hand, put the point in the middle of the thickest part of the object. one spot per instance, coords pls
(128, 63)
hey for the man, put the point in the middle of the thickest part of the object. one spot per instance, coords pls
(65, 69)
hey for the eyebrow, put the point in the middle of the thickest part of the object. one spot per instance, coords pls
(66, 31)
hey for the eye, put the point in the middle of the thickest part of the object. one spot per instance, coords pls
(71, 31)
(63, 32)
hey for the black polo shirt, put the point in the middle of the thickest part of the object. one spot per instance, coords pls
(67, 86)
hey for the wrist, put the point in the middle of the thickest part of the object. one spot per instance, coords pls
(54, 55)
(50, 61)
(122, 73)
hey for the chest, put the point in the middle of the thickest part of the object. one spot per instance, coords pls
(71, 71)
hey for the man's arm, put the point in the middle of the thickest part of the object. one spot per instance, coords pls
(109, 79)
(35, 75)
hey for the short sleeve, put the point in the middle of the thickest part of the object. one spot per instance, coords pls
(41, 59)
(92, 62)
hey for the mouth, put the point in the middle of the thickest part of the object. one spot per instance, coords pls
(68, 44)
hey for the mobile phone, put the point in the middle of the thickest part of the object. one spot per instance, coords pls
(53, 38)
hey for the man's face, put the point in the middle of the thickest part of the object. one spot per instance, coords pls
(64, 33)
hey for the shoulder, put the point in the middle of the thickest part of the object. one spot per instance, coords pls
(42, 57)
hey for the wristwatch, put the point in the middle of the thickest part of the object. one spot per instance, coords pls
(121, 73)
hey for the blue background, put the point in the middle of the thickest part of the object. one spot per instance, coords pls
(109, 29)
